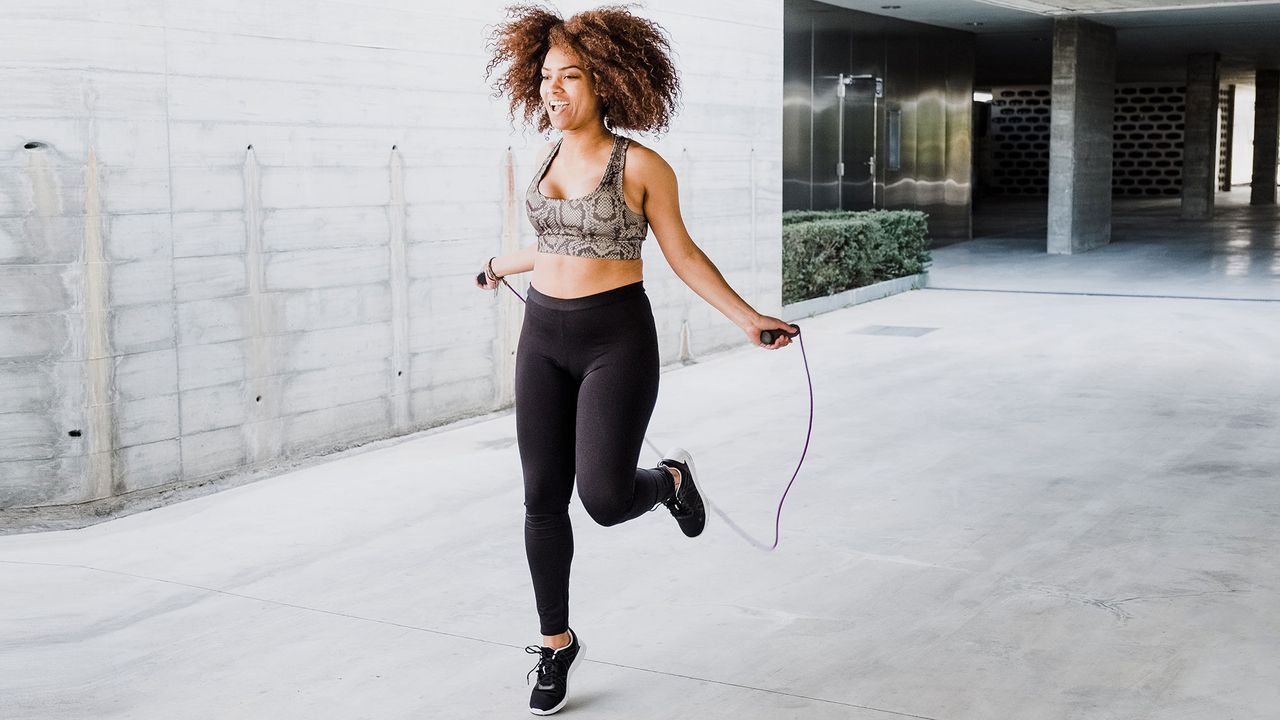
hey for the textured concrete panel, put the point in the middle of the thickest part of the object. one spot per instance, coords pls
(141, 283)
(128, 47)
(149, 465)
(147, 374)
(329, 227)
(215, 408)
(336, 426)
(25, 387)
(448, 255)
(335, 385)
(139, 12)
(53, 93)
(28, 240)
(209, 277)
(120, 143)
(449, 400)
(149, 420)
(1080, 144)
(451, 362)
(329, 267)
(210, 363)
(211, 453)
(333, 307)
(201, 234)
(33, 337)
(36, 483)
(28, 436)
(319, 348)
(215, 98)
(35, 289)
(331, 22)
(1200, 156)
(137, 190)
(142, 328)
(208, 189)
(310, 187)
(212, 321)
(139, 237)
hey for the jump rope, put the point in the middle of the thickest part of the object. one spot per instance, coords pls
(767, 337)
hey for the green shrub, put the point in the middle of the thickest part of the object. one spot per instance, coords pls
(906, 235)
(829, 251)
(822, 257)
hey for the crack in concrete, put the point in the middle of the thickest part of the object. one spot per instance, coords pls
(764, 690)
(1112, 605)
(457, 636)
(1179, 595)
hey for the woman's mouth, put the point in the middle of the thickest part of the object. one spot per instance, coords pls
(556, 106)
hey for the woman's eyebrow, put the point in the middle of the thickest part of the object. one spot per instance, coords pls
(566, 67)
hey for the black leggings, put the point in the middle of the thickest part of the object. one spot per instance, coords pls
(586, 384)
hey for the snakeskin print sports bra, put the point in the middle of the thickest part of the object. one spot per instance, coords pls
(599, 225)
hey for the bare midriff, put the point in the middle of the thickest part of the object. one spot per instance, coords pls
(566, 276)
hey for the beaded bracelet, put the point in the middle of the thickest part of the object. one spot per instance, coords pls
(493, 276)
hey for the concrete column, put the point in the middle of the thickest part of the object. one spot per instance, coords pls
(1200, 137)
(1266, 132)
(1084, 88)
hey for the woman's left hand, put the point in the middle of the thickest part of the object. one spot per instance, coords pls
(764, 322)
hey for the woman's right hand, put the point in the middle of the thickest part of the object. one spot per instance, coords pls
(489, 282)
(760, 323)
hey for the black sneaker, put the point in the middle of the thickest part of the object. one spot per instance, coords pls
(554, 667)
(687, 506)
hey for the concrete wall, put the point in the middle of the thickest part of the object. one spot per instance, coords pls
(237, 235)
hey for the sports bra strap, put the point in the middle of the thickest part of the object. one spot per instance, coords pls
(546, 161)
(617, 159)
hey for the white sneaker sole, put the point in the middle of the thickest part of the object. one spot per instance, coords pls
(577, 660)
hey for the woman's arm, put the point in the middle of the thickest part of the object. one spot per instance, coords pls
(662, 208)
(509, 264)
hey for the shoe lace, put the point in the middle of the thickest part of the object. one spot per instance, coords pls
(676, 507)
(548, 668)
(674, 503)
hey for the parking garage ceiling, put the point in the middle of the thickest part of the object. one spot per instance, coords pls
(1154, 37)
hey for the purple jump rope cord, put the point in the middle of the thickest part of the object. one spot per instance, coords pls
(777, 521)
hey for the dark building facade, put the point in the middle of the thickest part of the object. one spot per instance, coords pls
(878, 113)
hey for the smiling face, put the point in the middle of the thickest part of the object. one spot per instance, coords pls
(568, 90)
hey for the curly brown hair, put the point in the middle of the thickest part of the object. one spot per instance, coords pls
(628, 56)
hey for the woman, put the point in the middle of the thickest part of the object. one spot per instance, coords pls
(587, 362)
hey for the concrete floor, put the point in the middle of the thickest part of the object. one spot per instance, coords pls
(1049, 506)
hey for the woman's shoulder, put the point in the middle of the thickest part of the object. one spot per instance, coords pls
(645, 160)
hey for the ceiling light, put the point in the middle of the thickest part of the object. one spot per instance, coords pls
(975, 24)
